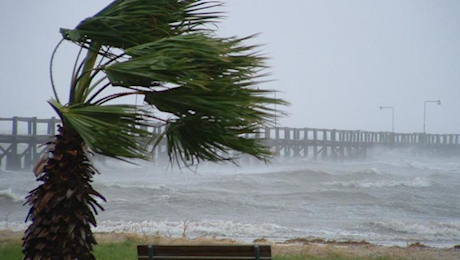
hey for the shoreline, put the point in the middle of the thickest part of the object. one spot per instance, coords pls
(292, 247)
(184, 229)
(274, 240)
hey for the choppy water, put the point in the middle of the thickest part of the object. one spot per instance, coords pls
(391, 201)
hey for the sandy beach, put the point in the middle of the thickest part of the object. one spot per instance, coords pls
(293, 247)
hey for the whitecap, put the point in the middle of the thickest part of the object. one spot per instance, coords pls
(218, 228)
(9, 194)
(414, 183)
(429, 230)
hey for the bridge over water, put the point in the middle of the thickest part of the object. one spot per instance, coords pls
(22, 139)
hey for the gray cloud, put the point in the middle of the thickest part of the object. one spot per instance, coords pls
(337, 62)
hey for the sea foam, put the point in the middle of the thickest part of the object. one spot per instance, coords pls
(10, 195)
(218, 228)
(417, 182)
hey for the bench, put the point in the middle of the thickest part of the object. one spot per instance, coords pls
(204, 252)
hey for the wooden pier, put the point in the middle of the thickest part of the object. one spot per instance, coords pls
(22, 139)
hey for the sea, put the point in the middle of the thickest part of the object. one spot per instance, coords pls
(390, 199)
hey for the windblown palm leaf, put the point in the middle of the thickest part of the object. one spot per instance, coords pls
(128, 23)
(112, 130)
(166, 52)
(187, 60)
(215, 138)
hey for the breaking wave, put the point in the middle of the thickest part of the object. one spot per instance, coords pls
(420, 231)
(11, 196)
(417, 182)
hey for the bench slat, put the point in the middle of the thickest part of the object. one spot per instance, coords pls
(217, 252)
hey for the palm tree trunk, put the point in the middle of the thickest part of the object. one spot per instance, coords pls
(62, 206)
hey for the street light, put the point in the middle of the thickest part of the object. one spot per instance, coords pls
(275, 108)
(392, 117)
(424, 111)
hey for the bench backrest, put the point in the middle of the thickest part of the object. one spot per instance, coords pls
(204, 252)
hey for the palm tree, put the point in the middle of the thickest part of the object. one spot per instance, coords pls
(167, 52)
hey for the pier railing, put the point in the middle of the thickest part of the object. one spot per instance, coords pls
(346, 144)
(22, 139)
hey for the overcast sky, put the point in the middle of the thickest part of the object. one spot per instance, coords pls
(336, 62)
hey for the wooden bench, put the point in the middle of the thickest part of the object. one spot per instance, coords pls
(204, 252)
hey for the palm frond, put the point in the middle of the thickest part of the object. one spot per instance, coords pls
(116, 131)
(194, 138)
(127, 23)
(225, 100)
(186, 60)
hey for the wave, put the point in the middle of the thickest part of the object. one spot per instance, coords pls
(190, 228)
(423, 164)
(367, 172)
(135, 188)
(218, 228)
(15, 226)
(10, 195)
(386, 232)
(310, 175)
(424, 231)
(414, 183)
(156, 198)
(133, 185)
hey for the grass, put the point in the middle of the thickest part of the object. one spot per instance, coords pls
(127, 250)
(116, 251)
(10, 251)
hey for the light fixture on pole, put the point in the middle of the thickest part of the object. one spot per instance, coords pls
(424, 111)
(275, 109)
(392, 117)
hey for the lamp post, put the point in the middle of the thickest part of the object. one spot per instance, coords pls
(392, 117)
(424, 111)
(275, 110)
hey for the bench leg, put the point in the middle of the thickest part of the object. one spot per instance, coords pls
(150, 247)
